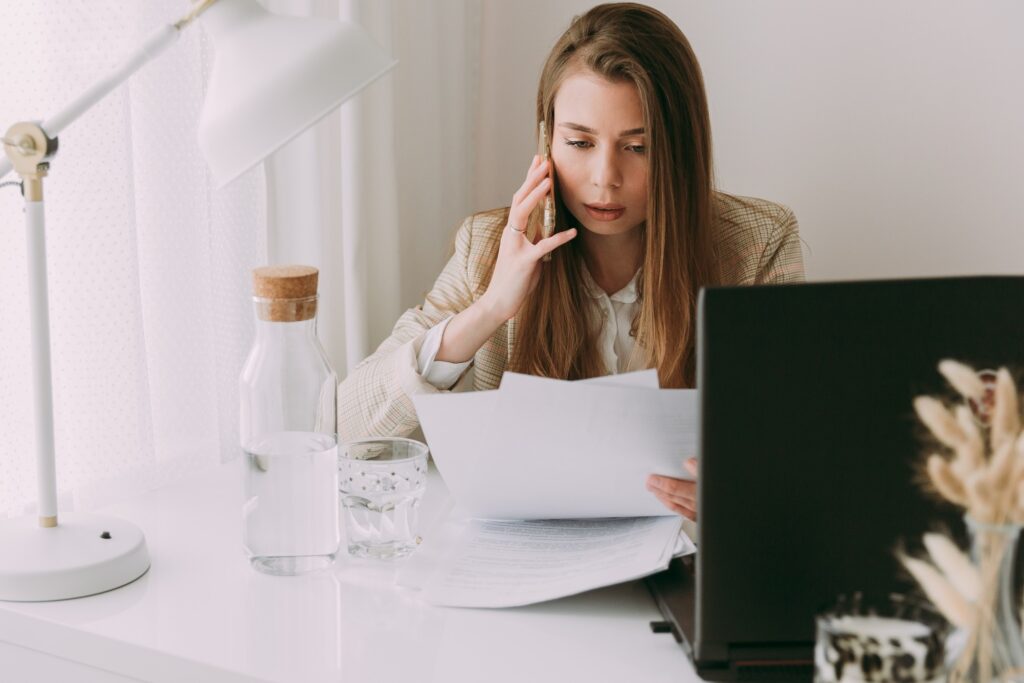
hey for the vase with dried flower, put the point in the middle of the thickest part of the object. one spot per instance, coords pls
(981, 471)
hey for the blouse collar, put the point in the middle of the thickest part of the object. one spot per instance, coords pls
(626, 295)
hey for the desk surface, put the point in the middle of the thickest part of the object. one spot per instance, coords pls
(201, 614)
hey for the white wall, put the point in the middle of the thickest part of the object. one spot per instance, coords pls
(895, 130)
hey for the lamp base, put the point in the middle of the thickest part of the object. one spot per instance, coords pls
(84, 555)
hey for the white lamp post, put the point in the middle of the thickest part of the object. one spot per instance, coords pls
(272, 78)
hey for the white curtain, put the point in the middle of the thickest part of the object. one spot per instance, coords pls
(149, 266)
(374, 193)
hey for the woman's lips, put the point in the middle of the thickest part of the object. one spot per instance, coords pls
(605, 213)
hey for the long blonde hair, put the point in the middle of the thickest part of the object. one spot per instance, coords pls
(554, 333)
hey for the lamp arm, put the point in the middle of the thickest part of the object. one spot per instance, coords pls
(28, 146)
(154, 45)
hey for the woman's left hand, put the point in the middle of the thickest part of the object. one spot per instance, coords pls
(678, 495)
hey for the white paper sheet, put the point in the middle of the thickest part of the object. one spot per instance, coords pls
(647, 379)
(491, 563)
(539, 448)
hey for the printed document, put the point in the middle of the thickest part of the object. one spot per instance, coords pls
(540, 448)
(496, 563)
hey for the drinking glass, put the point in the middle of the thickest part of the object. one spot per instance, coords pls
(381, 482)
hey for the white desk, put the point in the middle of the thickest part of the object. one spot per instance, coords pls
(201, 614)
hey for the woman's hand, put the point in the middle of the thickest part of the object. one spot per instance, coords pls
(678, 495)
(516, 272)
(517, 268)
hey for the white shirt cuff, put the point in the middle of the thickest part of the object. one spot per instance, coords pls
(438, 372)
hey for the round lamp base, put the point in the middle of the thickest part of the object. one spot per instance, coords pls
(84, 555)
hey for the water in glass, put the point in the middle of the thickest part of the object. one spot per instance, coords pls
(291, 520)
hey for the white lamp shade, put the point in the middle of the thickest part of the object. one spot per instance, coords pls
(273, 77)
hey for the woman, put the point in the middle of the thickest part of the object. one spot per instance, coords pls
(640, 230)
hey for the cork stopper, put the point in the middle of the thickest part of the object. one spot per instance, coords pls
(285, 293)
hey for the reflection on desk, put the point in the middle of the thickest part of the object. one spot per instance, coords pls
(201, 614)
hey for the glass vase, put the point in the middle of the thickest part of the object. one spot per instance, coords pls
(993, 647)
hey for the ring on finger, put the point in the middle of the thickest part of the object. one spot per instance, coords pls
(515, 229)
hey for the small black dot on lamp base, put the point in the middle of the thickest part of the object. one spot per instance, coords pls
(105, 535)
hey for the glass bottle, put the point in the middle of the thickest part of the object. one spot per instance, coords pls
(289, 429)
(994, 647)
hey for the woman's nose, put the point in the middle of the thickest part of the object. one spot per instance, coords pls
(605, 171)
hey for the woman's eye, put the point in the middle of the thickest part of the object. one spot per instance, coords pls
(578, 144)
(639, 149)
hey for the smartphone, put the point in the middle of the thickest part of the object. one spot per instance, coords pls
(542, 220)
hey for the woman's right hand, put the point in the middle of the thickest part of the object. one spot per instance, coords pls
(516, 272)
(517, 268)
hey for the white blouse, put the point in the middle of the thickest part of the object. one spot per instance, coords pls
(616, 313)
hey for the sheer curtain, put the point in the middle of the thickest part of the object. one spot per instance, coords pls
(148, 265)
(374, 193)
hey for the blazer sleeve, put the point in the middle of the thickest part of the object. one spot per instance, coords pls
(782, 260)
(374, 400)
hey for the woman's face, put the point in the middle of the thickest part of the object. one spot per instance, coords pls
(599, 154)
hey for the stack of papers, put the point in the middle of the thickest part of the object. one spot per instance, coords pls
(548, 481)
(501, 563)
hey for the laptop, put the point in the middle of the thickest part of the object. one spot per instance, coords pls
(811, 454)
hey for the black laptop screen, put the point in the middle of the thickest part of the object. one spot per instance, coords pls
(809, 447)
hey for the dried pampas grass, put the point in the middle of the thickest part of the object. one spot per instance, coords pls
(981, 475)
(1005, 416)
(940, 422)
(953, 605)
(982, 472)
(946, 481)
(962, 575)
(963, 379)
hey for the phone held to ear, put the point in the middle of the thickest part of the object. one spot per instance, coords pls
(543, 217)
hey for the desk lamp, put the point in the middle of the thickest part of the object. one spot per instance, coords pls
(272, 77)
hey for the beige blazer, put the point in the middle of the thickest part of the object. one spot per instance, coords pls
(759, 243)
